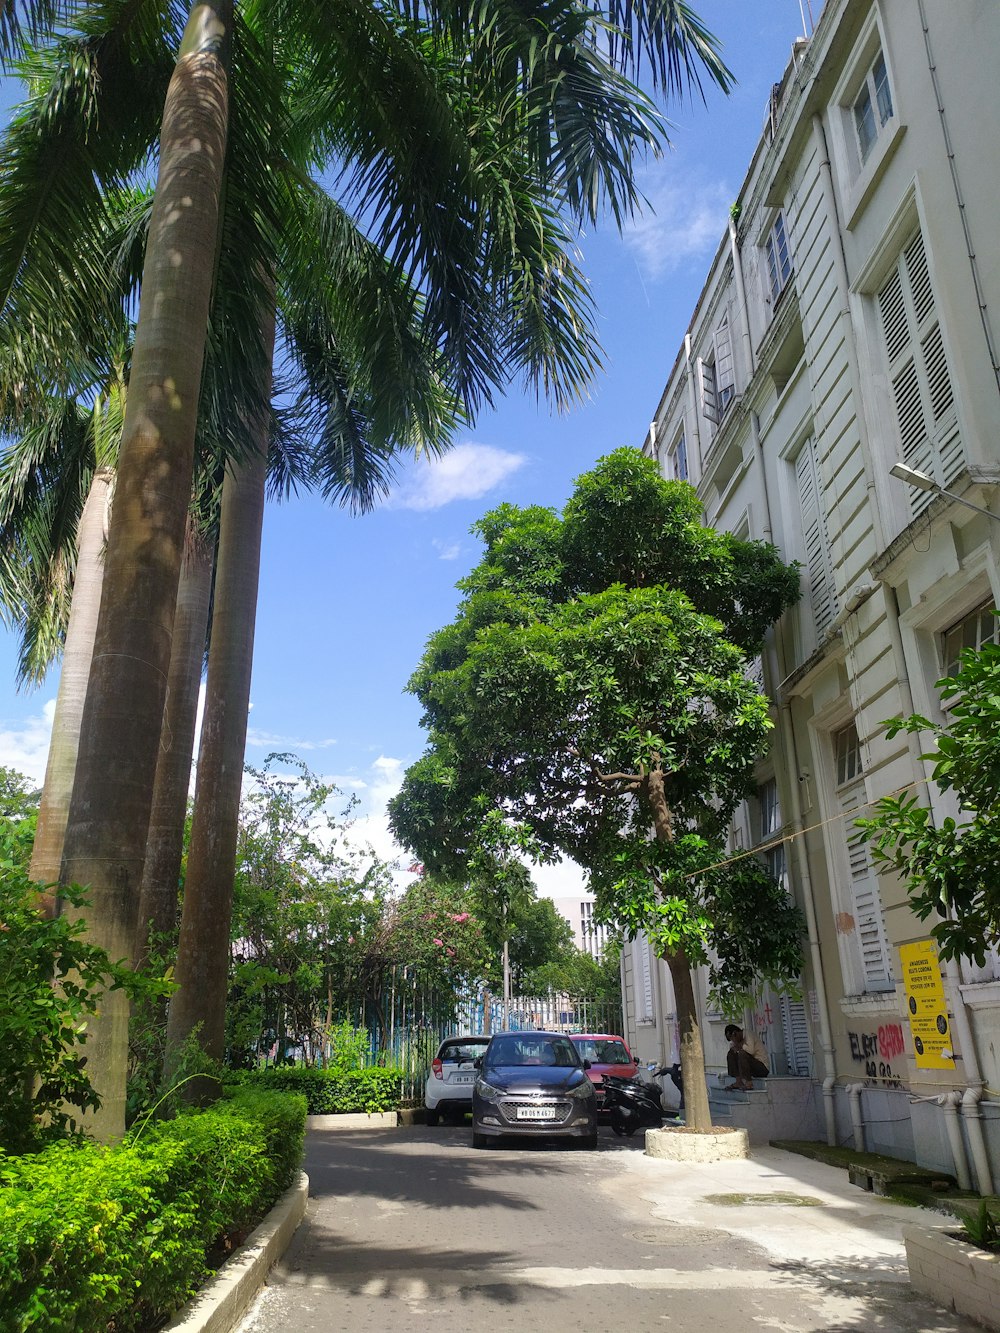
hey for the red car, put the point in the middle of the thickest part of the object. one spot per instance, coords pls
(607, 1054)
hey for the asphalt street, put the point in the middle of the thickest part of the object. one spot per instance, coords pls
(414, 1229)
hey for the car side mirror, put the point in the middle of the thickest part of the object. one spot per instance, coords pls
(586, 1064)
(477, 1062)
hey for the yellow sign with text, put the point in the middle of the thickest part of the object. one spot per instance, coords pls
(926, 1005)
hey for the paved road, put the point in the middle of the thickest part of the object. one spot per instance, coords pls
(412, 1229)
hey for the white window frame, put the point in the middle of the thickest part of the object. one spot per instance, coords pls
(677, 455)
(985, 627)
(876, 94)
(778, 258)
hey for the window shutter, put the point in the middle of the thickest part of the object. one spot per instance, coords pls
(918, 370)
(795, 1031)
(724, 369)
(869, 921)
(819, 570)
(643, 984)
(706, 391)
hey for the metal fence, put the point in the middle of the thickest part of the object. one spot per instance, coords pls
(412, 1028)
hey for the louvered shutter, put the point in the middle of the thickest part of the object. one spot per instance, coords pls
(869, 921)
(642, 973)
(795, 1032)
(706, 391)
(725, 378)
(918, 370)
(819, 569)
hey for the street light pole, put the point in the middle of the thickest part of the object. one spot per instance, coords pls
(920, 481)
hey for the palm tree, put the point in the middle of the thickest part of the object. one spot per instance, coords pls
(554, 96)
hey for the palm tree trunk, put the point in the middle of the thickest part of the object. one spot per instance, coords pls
(202, 970)
(46, 857)
(165, 844)
(108, 821)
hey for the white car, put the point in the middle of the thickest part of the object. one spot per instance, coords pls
(453, 1073)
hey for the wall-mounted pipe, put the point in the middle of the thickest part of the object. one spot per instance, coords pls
(951, 1102)
(812, 927)
(977, 1141)
(854, 1091)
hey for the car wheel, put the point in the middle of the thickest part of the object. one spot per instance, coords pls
(432, 1117)
(480, 1140)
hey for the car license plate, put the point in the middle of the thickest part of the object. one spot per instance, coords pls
(463, 1078)
(536, 1112)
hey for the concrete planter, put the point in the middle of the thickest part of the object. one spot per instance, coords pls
(954, 1272)
(354, 1120)
(689, 1145)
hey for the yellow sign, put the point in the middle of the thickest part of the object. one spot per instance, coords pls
(926, 1006)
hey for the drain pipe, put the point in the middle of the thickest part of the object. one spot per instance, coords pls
(951, 1102)
(854, 1091)
(977, 1141)
(812, 930)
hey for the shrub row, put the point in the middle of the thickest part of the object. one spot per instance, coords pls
(332, 1091)
(95, 1238)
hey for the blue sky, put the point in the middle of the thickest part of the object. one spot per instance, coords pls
(346, 604)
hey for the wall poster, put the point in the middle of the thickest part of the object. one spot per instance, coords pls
(926, 1005)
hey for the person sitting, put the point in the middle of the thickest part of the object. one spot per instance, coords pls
(746, 1059)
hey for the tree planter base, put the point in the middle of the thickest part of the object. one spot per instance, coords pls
(689, 1145)
(954, 1273)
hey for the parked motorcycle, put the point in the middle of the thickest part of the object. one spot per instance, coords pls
(632, 1103)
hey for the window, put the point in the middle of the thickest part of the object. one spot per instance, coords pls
(677, 460)
(779, 264)
(918, 371)
(642, 980)
(716, 375)
(868, 919)
(872, 107)
(815, 542)
(769, 811)
(979, 627)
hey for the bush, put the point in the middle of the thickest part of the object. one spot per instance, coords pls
(333, 1091)
(97, 1238)
(51, 980)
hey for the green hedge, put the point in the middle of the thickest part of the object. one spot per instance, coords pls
(331, 1091)
(93, 1238)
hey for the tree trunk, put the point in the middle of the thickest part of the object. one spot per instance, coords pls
(202, 971)
(46, 857)
(165, 843)
(108, 821)
(697, 1114)
(696, 1109)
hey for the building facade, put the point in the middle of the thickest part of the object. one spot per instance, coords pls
(589, 935)
(850, 322)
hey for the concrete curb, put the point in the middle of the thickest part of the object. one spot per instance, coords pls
(220, 1305)
(354, 1120)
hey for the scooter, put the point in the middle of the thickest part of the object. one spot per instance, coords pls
(632, 1103)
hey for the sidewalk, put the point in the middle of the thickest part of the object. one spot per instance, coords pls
(815, 1226)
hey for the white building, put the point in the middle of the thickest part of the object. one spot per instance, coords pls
(588, 934)
(850, 320)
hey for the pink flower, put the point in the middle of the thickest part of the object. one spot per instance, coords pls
(450, 953)
(439, 943)
(460, 917)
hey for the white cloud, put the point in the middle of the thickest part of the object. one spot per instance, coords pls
(24, 745)
(466, 472)
(686, 220)
(269, 740)
(447, 550)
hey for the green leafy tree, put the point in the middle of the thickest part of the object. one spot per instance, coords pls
(583, 690)
(951, 870)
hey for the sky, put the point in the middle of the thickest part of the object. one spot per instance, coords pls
(347, 603)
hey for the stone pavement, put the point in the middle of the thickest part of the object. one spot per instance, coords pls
(413, 1228)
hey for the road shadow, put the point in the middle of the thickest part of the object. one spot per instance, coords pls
(879, 1289)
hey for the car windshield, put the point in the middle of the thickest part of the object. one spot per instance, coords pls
(533, 1050)
(456, 1051)
(602, 1051)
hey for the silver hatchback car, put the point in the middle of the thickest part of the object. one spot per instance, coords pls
(448, 1090)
